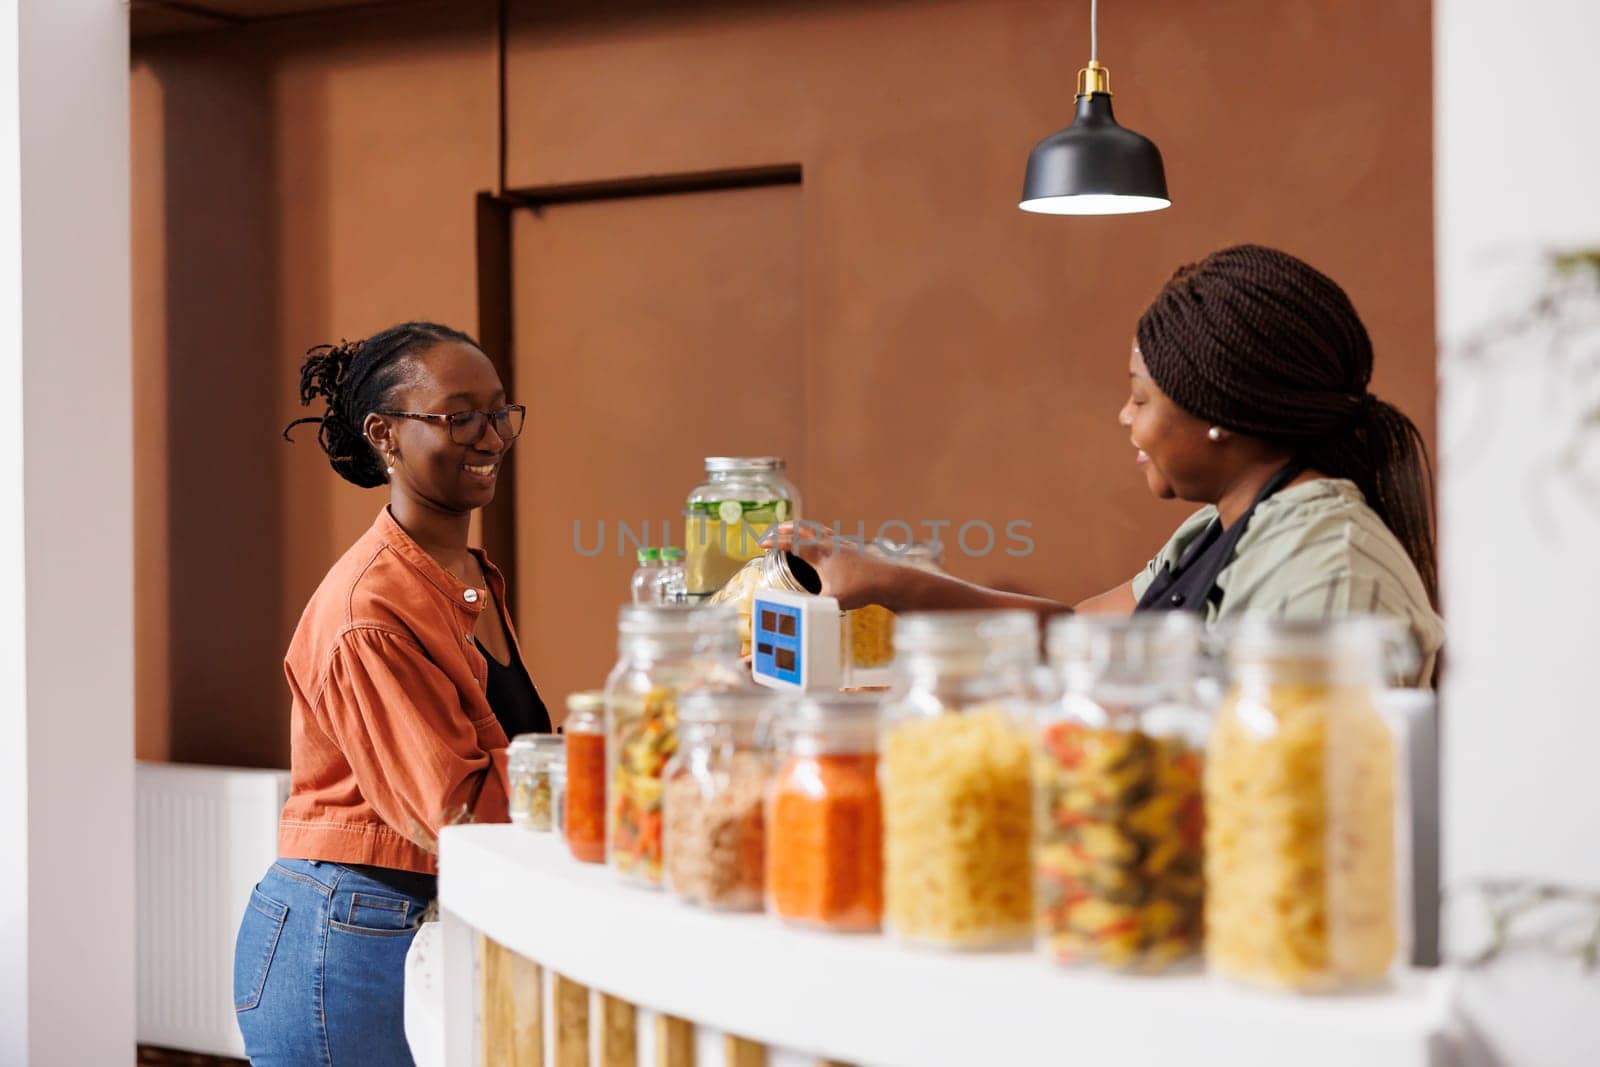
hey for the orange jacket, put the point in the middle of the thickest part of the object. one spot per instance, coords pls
(391, 736)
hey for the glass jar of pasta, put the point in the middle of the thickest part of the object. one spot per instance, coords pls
(585, 731)
(957, 794)
(1302, 802)
(774, 570)
(1117, 779)
(824, 816)
(715, 838)
(664, 650)
(528, 761)
(726, 517)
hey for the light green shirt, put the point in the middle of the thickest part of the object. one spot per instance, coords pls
(1313, 551)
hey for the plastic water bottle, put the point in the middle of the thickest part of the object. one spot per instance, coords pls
(647, 577)
(674, 576)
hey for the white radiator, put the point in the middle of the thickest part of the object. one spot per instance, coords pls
(205, 837)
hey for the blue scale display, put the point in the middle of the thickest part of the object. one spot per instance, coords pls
(779, 647)
(794, 641)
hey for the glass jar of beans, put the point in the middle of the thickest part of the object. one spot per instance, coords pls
(714, 790)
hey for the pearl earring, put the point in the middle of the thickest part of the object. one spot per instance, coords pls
(390, 469)
(1215, 433)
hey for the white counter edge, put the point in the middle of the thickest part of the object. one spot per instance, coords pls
(865, 1000)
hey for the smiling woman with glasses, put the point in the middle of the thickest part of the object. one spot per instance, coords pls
(405, 681)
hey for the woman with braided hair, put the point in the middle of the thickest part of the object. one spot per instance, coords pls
(405, 680)
(1249, 394)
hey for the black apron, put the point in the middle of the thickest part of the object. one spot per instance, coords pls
(1192, 584)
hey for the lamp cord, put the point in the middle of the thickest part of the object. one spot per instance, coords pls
(1094, 29)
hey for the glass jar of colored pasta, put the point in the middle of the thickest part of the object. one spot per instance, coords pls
(957, 798)
(663, 651)
(824, 816)
(1302, 800)
(1118, 787)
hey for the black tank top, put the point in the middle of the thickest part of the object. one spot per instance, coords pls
(512, 697)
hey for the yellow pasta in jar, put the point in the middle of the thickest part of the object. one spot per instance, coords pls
(958, 815)
(740, 591)
(871, 636)
(1299, 845)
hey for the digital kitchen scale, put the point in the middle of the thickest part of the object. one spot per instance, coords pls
(800, 642)
(794, 641)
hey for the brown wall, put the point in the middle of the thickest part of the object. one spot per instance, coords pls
(960, 359)
(952, 357)
(293, 184)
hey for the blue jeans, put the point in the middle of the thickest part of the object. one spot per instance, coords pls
(319, 968)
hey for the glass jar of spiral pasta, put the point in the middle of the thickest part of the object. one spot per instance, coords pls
(663, 651)
(714, 843)
(1303, 799)
(1117, 782)
(529, 759)
(956, 780)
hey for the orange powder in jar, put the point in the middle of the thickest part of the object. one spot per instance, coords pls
(825, 842)
(586, 797)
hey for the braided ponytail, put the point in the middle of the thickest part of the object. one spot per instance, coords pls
(1259, 342)
(1384, 454)
(356, 378)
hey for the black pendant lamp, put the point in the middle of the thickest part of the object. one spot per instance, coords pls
(1094, 166)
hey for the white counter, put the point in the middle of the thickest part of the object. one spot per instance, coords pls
(865, 1000)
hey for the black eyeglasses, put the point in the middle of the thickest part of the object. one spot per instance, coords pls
(467, 427)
